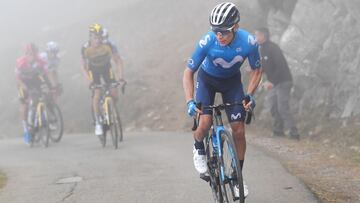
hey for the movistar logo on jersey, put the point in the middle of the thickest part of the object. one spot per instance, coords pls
(225, 64)
(204, 41)
(235, 116)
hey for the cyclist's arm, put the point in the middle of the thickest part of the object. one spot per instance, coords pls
(256, 70)
(193, 65)
(119, 66)
(20, 83)
(188, 84)
(84, 64)
(46, 76)
(47, 80)
(255, 78)
(85, 69)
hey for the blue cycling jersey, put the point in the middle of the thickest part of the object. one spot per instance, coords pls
(225, 61)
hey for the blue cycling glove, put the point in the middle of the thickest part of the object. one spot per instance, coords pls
(191, 108)
(250, 98)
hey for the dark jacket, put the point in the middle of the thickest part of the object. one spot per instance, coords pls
(274, 63)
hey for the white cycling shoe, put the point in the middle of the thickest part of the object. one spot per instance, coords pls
(98, 129)
(200, 160)
(237, 193)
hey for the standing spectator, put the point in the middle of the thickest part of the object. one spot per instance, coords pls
(279, 83)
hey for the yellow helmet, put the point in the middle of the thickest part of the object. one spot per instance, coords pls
(96, 29)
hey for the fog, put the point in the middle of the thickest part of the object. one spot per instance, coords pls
(146, 32)
(320, 40)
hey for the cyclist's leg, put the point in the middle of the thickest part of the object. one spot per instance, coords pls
(23, 96)
(205, 94)
(54, 76)
(96, 95)
(109, 78)
(236, 114)
(238, 132)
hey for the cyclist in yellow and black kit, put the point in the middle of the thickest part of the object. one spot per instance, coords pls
(97, 55)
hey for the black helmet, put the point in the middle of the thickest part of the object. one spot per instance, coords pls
(224, 16)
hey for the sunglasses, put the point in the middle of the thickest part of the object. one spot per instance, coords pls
(222, 31)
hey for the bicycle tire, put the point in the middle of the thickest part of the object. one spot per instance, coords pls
(113, 123)
(121, 134)
(56, 137)
(213, 172)
(44, 130)
(32, 138)
(229, 155)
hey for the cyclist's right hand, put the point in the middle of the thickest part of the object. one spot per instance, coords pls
(192, 109)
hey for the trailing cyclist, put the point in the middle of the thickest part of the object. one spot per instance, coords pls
(51, 57)
(217, 58)
(97, 55)
(31, 73)
(106, 39)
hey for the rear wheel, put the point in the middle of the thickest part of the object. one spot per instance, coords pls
(230, 170)
(102, 139)
(33, 137)
(57, 124)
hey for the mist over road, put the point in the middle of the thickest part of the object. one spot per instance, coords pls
(147, 167)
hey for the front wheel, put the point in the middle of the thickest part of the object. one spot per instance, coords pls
(230, 170)
(44, 130)
(115, 125)
(212, 162)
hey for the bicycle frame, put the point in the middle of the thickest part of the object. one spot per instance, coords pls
(219, 127)
(105, 98)
(215, 140)
(40, 114)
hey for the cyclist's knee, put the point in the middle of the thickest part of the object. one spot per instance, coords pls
(115, 94)
(96, 95)
(238, 131)
(202, 130)
(204, 126)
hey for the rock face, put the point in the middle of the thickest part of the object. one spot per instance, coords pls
(321, 40)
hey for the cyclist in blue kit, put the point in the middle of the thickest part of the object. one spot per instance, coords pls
(218, 57)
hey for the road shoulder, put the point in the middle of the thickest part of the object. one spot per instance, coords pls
(331, 177)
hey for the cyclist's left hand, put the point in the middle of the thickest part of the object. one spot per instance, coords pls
(250, 104)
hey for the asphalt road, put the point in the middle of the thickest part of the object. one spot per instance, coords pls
(147, 167)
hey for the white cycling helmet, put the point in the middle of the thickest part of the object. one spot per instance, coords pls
(52, 47)
(105, 34)
(224, 16)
